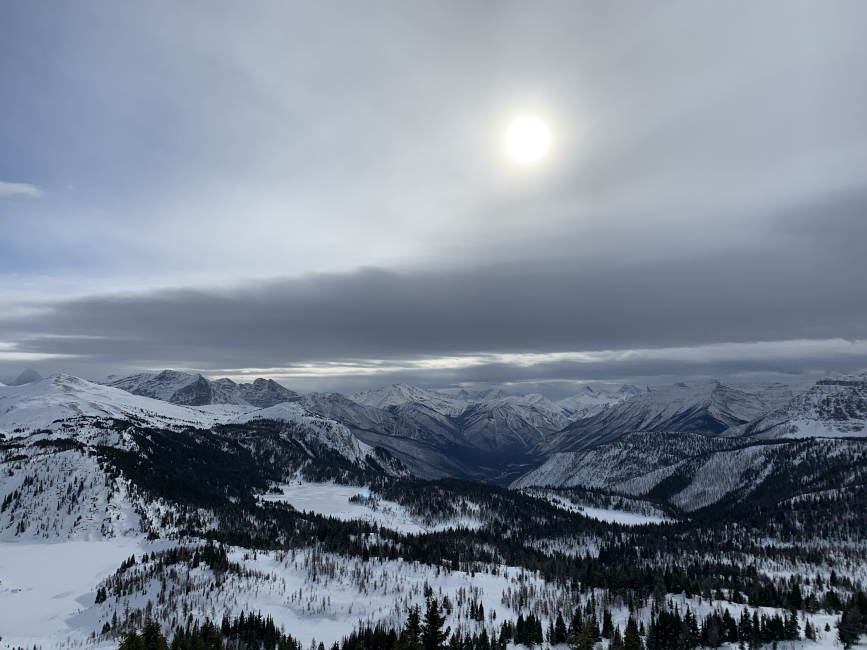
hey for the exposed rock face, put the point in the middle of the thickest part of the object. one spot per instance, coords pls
(265, 393)
(195, 390)
(834, 407)
(197, 393)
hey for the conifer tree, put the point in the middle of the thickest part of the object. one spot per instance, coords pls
(433, 636)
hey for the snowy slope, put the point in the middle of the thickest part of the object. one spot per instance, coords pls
(833, 407)
(26, 377)
(692, 471)
(45, 404)
(327, 432)
(710, 407)
(630, 456)
(159, 386)
(514, 423)
(481, 442)
(398, 394)
(586, 402)
(85, 411)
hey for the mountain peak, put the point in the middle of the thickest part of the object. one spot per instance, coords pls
(26, 377)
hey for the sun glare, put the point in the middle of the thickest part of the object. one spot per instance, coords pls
(527, 139)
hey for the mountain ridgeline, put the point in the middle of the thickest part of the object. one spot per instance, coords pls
(496, 437)
(484, 435)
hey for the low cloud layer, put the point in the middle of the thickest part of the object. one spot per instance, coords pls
(324, 188)
(567, 319)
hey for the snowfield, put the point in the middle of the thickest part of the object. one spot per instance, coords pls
(44, 586)
(333, 501)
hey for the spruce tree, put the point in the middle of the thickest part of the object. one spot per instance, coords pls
(433, 636)
(849, 628)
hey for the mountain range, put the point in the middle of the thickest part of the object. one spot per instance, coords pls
(523, 440)
(312, 506)
(487, 435)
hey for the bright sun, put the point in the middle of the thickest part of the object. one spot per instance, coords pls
(527, 139)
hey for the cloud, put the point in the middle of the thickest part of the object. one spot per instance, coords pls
(11, 189)
(286, 139)
(787, 307)
(338, 175)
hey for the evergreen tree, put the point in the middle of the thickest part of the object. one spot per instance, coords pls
(607, 625)
(584, 639)
(560, 633)
(410, 636)
(632, 638)
(152, 638)
(617, 640)
(849, 628)
(433, 636)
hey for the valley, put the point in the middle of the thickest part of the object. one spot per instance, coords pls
(183, 514)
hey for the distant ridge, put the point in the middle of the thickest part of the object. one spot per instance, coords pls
(195, 390)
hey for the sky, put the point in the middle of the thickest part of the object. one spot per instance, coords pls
(319, 192)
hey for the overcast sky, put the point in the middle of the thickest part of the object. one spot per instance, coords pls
(319, 192)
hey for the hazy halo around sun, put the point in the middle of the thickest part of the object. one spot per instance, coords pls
(527, 139)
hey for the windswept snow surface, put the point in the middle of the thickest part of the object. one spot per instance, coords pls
(333, 501)
(621, 517)
(620, 510)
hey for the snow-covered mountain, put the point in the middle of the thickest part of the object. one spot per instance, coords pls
(624, 459)
(436, 434)
(427, 441)
(710, 407)
(26, 377)
(586, 402)
(399, 394)
(54, 402)
(67, 407)
(511, 424)
(691, 471)
(833, 407)
(195, 390)
(483, 395)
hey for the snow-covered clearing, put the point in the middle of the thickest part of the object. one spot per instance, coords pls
(43, 585)
(620, 516)
(332, 500)
(603, 514)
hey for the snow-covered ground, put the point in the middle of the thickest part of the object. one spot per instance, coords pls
(620, 517)
(44, 585)
(47, 594)
(627, 514)
(61, 401)
(332, 500)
